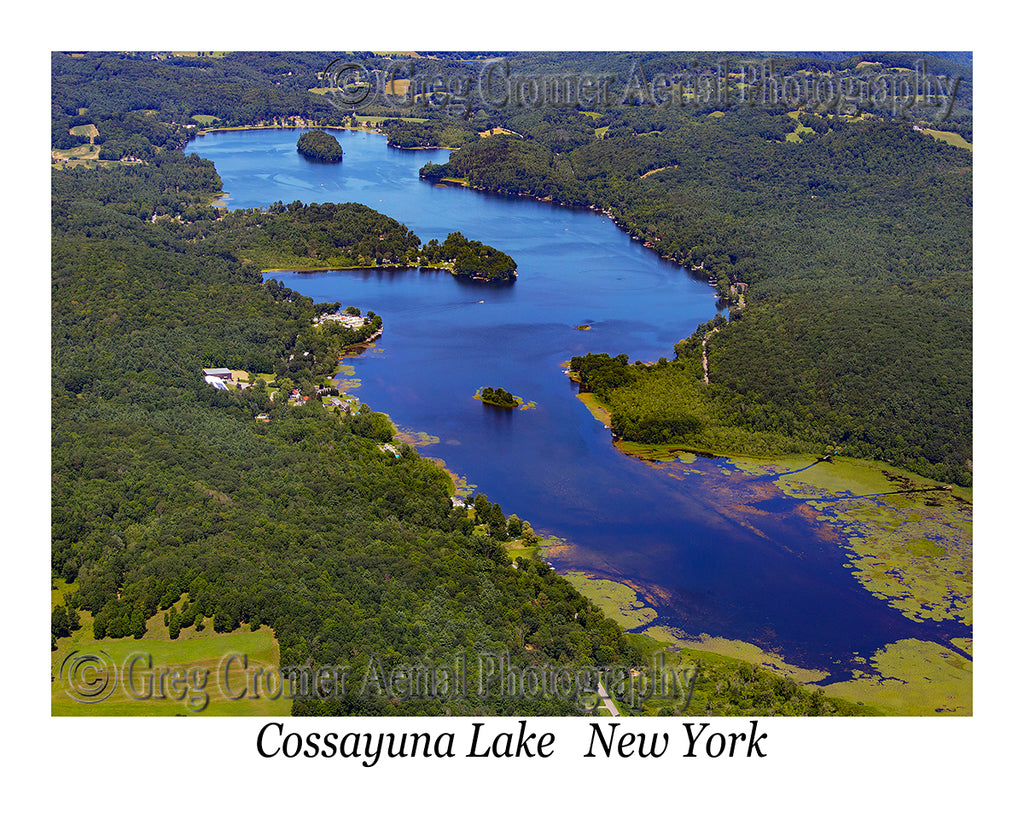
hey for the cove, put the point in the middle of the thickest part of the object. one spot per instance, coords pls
(712, 549)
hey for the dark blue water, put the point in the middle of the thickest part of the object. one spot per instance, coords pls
(712, 550)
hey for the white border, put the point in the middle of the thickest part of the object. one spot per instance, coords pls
(833, 767)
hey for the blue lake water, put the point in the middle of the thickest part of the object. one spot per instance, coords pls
(713, 550)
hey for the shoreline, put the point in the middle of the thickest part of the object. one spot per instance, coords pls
(339, 268)
(445, 268)
(463, 182)
(307, 127)
(655, 453)
(314, 126)
(907, 660)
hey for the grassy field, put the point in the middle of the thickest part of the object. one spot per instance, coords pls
(914, 678)
(516, 549)
(60, 588)
(396, 88)
(656, 170)
(794, 136)
(951, 138)
(736, 650)
(189, 665)
(906, 678)
(596, 408)
(89, 130)
(497, 132)
(858, 477)
(80, 154)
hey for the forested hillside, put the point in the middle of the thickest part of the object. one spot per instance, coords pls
(163, 486)
(849, 250)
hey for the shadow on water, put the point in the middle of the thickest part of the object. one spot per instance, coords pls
(774, 475)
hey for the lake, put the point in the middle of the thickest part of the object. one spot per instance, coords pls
(713, 550)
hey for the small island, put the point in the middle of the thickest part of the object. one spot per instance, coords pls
(498, 397)
(319, 146)
(468, 258)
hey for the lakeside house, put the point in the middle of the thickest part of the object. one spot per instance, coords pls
(344, 319)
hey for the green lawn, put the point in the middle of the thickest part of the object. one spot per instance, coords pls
(950, 137)
(78, 154)
(89, 130)
(198, 660)
(794, 136)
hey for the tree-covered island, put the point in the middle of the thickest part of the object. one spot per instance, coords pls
(319, 146)
(498, 397)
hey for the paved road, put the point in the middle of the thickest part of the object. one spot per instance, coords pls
(607, 700)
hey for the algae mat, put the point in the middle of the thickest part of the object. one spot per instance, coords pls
(908, 541)
(617, 600)
(912, 677)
